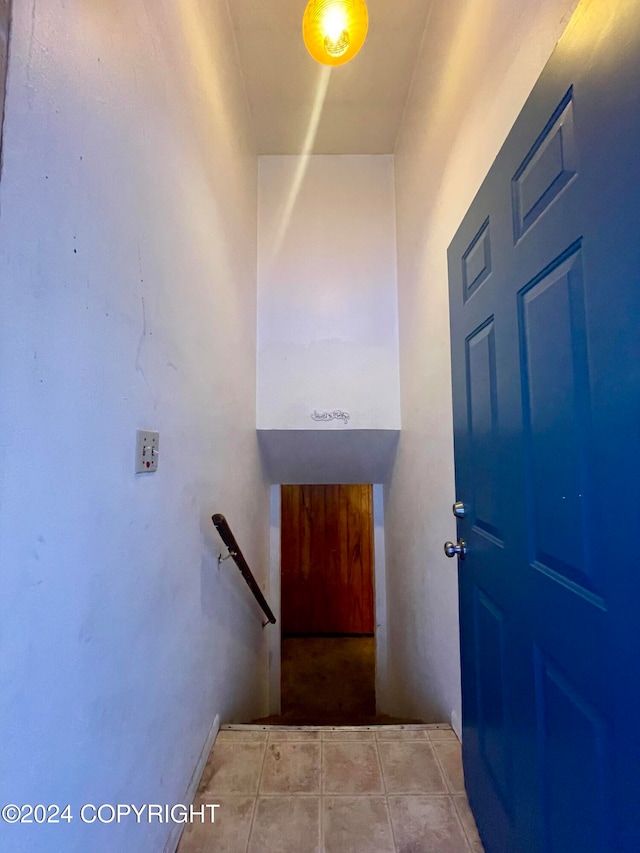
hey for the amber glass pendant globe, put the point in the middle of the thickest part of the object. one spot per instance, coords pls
(335, 30)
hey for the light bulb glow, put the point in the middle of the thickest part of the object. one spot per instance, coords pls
(334, 21)
(335, 30)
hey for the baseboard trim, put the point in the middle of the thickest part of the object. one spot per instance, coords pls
(174, 838)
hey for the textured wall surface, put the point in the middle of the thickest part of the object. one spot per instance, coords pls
(327, 307)
(128, 269)
(479, 61)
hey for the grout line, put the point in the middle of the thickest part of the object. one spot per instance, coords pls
(306, 796)
(386, 794)
(461, 822)
(381, 769)
(442, 771)
(255, 801)
(253, 815)
(392, 825)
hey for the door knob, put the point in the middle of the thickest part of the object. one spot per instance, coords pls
(459, 509)
(452, 550)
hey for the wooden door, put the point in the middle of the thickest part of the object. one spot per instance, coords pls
(327, 559)
(545, 312)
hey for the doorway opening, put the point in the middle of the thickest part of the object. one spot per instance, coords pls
(328, 666)
(371, 656)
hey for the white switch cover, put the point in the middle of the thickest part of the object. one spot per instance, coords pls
(147, 450)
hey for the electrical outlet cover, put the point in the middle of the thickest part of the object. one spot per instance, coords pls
(147, 450)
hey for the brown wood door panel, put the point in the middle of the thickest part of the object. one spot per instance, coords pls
(327, 559)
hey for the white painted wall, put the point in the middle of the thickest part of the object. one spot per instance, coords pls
(380, 592)
(327, 297)
(128, 269)
(479, 60)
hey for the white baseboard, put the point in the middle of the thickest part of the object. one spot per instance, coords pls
(456, 725)
(174, 838)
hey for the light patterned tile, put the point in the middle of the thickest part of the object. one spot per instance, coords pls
(233, 768)
(294, 735)
(286, 825)
(427, 825)
(351, 767)
(410, 768)
(348, 734)
(356, 825)
(468, 822)
(228, 834)
(241, 736)
(450, 756)
(291, 768)
(403, 734)
(444, 733)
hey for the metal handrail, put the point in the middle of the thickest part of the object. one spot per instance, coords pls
(222, 526)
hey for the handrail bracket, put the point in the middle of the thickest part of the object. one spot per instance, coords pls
(230, 555)
(236, 554)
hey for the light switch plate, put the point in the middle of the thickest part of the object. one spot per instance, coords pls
(147, 450)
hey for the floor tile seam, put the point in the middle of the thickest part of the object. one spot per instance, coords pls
(391, 825)
(251, 822)
(470, 841)
(418, 795)
(354, 797)
(295, 740)
(327, 793)
(406, 740)
(326, 739)
(241, 741)
(440, 766)
(442, 772)
(381, 768)
(293, 734)
(380, 793)
(255, 798)
(461, 825)
(411, 795)
(270, 794)
(262, 766)
(405, 792)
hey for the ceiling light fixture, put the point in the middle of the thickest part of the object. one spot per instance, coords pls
(335, 30)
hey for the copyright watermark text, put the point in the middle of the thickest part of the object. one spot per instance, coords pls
(109, 813)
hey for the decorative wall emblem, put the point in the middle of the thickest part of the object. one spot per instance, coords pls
(336, 415)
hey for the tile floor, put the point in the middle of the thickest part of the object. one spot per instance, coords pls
(385, 789)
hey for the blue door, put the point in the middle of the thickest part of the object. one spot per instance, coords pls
(545, 321)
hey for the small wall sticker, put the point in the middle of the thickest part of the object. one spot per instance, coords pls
(336, 415)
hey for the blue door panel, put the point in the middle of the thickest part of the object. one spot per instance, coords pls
(554, 367)
(546, 170)
(476, 261)
(482, 407)
(494, 733)
(545, 328)
(573, 744)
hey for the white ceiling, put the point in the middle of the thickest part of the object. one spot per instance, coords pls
(364, 101)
